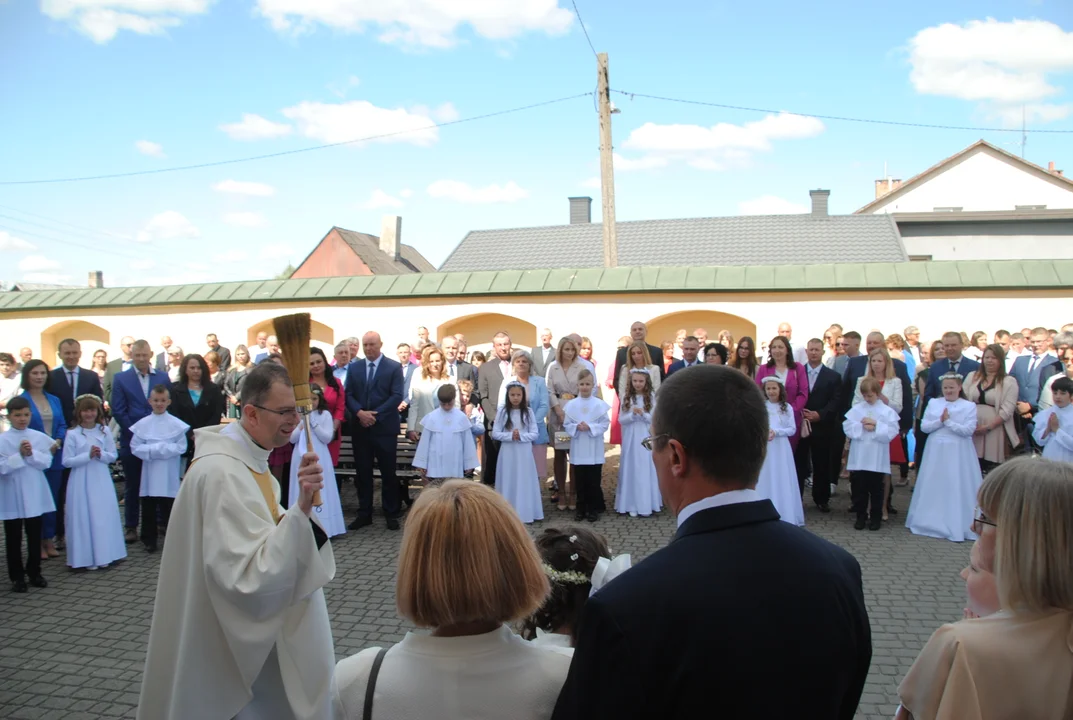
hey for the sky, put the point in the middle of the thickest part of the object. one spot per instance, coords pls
(102, 87)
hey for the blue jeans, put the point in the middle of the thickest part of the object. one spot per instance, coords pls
(132, 474)
(48, 520)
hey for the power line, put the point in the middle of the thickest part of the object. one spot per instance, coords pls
(292, 152)
(59, 222)
(837, 117)
(583, 29)
(53, 229)
(103, 250)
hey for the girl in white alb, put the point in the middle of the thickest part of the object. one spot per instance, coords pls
(1054, 426)
(94, 530)
(638, 487)
(330, 512)
(778, 475)
(516, 474)
(944, 501)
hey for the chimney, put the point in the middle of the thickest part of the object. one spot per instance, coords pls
(96, 279)
(390, 235)
(1052, 171)
(580, 210)
(819, 202)
(886, 185)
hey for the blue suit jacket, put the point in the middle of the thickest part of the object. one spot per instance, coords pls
(129, 404)
(59, 423)
(934, 387)
(383, 395)
(1029, 385)
(89, 383)
(678, 365)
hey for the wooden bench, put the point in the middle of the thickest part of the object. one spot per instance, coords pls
(404, 459)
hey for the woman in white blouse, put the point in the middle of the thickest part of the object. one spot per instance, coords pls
(467, 568)
(637, 357)
(423, 386)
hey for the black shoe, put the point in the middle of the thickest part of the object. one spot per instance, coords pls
(360, 522)
(861, 522)
(579, 515)
(875, 525)
(408, 501)
(592, 517)
(892, 510)
(19, 586)
(38, 581)
(150, 547)
(823, 507)
(392, 524)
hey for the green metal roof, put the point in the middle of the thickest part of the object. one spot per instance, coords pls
(951, 275)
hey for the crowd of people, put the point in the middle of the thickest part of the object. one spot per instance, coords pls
(729, 450)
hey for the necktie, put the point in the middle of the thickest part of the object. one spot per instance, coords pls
(451, 370)
(812, 378)
(74, 383)
(1032, 365)
(372, 371)
(954, 366)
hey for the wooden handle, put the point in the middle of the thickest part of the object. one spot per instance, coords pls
(317, 502)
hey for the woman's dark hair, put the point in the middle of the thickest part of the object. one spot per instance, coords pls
(720, 350)
(750, 359)
(19, 402)
(1000, 355)
(566, 550)
(523, 407)
(790, 363)
(30, 365)
(206, 376)
(318, 392)
(477, 355)
(329, 376)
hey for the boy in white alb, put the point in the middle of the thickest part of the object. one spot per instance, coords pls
(870, 426)
(25, 454)
(446, 449)
(159, 440)
(586, 420)
(1054, 426)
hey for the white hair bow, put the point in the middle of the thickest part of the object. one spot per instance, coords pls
(607, 570)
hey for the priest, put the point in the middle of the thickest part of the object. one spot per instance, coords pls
(240, 627)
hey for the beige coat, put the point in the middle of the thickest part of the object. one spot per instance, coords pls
(238, 597)
(1001, 400)
(1002, 667)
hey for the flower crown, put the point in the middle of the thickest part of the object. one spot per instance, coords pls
(86, 395)
(774, 378)
(566, 577)
(643, 371)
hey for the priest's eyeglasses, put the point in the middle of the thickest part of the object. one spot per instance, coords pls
(291, 412)
(979, 521)
(649, 442)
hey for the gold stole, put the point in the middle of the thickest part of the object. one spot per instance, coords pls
(264, 484)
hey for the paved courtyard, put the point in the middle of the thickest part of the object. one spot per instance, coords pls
(76, 649)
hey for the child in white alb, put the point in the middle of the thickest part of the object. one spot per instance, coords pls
(944, 499)
(159, 439)
(638, 487)
(778, 475)
(330, 512)
(1054, 426)
(870, 426)
(446, 448)
(516, 474)
(585, 420)
(25, 496)
(94, 531)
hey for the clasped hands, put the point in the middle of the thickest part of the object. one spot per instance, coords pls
(367, 418)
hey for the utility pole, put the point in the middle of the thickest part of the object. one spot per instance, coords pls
(607, 169)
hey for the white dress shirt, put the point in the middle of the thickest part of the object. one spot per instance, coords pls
(731, 497)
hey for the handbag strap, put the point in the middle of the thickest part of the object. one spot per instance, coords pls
(370, 687)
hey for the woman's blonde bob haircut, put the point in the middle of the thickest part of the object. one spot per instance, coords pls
(1030, 500)
(466, 557)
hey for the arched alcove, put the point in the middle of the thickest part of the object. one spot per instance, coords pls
(321, 335)
(664, 327)
(480, 328)
(91, 337)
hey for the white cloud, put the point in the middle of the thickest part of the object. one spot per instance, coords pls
(1002, 65)
(428, 23)
(406, 192)
(718, 147)
(47, 278)
(144, 264)
(38, 263)
(341, 122)
(277, 251)
(239, 187)
(231, 256)
(770, 205)
(255, 127)
(464, 193)
(11, 243)
(245, 219)
(152, 149)
(101, 20)
(380, 199)
(626, 164)
(168, 225)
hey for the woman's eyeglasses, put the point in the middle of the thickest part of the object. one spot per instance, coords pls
(979, 521)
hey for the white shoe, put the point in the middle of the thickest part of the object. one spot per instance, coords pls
(633, 514)
(92, 567)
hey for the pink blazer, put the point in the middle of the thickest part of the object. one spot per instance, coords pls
(796, 392)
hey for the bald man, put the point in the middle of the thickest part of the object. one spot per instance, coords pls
(639, 333)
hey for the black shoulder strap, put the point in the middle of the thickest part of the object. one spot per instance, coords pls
(370, 687)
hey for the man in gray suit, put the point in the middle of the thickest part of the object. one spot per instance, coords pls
(489, 379)
(456, 369)
(117, 366)
(543, 354)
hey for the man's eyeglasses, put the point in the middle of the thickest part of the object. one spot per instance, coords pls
(979, 521)
(840, 344)
(651, 440)
(285, 413)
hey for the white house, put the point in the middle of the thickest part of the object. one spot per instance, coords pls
(981, 204)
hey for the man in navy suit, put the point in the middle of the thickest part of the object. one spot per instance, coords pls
(130, 403)
(68, 382)
(1031, 371)
(954, 362)
(817, 451)
(690, 348)
(374, 388)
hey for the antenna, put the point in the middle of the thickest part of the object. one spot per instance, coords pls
(1024, 134)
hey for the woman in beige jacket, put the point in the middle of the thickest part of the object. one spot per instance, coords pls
(995, 395)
